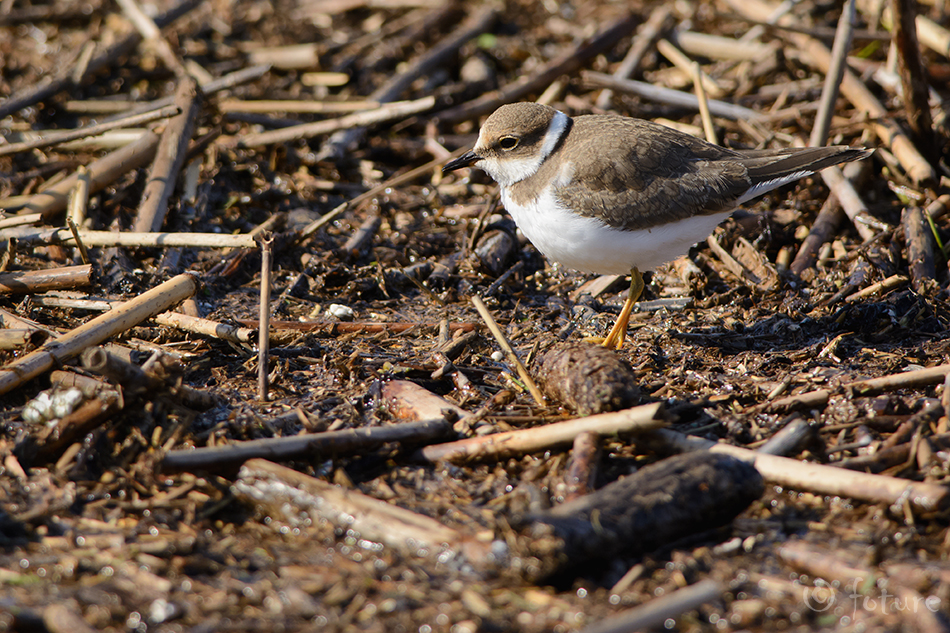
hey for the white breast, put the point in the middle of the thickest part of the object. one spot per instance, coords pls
(589, 245)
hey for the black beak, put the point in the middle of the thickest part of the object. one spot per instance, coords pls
(465, 160)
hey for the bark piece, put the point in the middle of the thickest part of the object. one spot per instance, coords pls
(588, 378)
(655, 506)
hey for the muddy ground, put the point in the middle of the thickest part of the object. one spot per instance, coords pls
(98, 532)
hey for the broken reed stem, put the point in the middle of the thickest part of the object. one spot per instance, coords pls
(281, 490)
(265, 106)
(152, 36)
(13, 339)
(31, 281)
(819, 397)
(829, 94)
(385, 113)
(822, 479)
(100, 239)
(842, 182)
(515, 443)
(685, 65)
(263, 339)
(49, 139)
(566, 64)
(395, 181)
(169, 158)
(882, 287)
(658, 22)
(660, 610)
(83, 251)
(129, 314)
(708, 128)
(102, 173)
(28, 219)
(78, 199)
(206, 327)
(668, 96)
(508, 350)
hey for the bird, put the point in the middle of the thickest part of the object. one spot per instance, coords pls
(609, 194)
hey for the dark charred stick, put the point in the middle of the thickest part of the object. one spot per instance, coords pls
(335, 328)
(43, 280)
(308, 447)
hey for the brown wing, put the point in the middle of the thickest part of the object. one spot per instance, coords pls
(666, 175)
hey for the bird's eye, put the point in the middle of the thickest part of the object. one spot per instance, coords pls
(508, 143)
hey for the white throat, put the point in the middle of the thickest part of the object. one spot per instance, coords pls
(507, 170)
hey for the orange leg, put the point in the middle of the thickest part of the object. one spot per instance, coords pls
(618, 333)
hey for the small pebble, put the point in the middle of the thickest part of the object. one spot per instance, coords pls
(339, 311)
